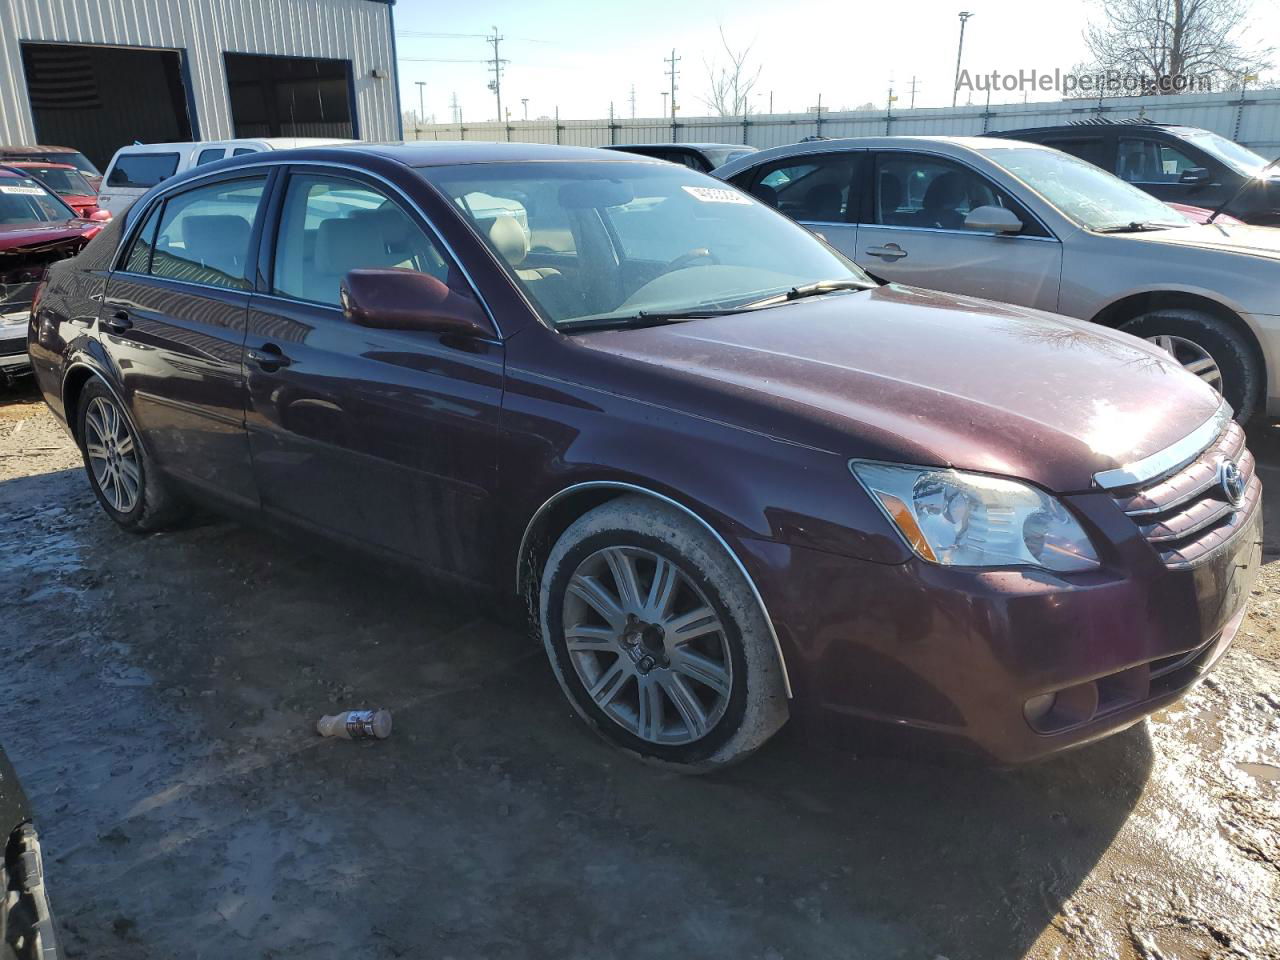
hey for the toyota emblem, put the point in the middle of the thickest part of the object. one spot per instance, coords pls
(1232, 482)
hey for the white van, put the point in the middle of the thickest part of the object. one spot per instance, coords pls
(137, 168)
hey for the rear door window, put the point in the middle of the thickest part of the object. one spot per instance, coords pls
(813, 189)
(204, 234)
(142, 170)
(210, 155)
(1090, 149)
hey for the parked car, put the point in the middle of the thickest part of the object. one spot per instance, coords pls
(703, 157)
(26, 922)
(138, 167)
(50, 154)
(735, 479)
(1203, 214)
(1030, 225)
(67, 182)
(36, 229)
(1173, 162)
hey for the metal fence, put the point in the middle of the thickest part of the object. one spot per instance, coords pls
(1251, 118)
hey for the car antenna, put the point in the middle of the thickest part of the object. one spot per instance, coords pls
(1239, 190)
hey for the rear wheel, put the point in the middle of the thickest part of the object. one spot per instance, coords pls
(121, 474)
(1208, 347)
(656, 637)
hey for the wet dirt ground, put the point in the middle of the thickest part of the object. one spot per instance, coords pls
(160, 695)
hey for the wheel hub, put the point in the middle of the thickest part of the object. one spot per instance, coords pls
(644, 644)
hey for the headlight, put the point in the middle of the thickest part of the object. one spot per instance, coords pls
(971, 520)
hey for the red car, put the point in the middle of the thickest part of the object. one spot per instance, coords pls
(733, 479)
(67, 182)
(50, 154)
(1202, 214)
(36, 229)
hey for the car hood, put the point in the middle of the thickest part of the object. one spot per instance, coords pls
(1226, 238)
(917, 376)
(27, 237)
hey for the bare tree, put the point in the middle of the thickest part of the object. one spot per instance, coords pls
(1175, 45)
(729, 85)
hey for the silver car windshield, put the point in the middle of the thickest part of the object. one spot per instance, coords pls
(1087, 194)
(1238, 158)
(595, 240)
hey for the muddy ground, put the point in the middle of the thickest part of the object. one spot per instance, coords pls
(160, 695)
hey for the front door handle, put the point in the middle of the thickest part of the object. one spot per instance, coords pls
(269, 357)
(118, 322)
(890, 251)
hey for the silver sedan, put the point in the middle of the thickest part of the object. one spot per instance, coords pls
(1021, 223)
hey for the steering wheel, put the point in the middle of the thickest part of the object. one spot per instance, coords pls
(682, 261)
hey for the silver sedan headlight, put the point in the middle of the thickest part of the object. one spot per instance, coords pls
(972, 520)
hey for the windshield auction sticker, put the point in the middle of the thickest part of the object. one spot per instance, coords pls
(716, 195)
(24, 191)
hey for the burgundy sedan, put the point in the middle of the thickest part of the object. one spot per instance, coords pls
(734, 480)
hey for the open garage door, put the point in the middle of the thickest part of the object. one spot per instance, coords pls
(290, 96)
(97, 98)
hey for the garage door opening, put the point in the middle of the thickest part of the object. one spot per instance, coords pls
(97, 98)
(290, 96)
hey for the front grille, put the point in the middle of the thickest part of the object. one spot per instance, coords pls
(1185, 514)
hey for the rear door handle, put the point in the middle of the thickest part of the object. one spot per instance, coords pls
(268, 357)
(890, 251)
(118, 322)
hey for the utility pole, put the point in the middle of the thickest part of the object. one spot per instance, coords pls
(633, 101)
(455, 109)
(888, 110)
(955, 89)
(771, 101)
(673, 71)
(524, 102)
(913, 93)
(417, 127)
(495, 65)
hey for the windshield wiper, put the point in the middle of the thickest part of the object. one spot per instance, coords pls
(642, 318)
(1140, 227)
(813, 290)
(1239, 190)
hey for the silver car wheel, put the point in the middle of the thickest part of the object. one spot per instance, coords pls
(1193, 358)
(647, 645)
(113, 455)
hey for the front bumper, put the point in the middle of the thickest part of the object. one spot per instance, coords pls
(26, 920)
(13, 341)
(923, 654)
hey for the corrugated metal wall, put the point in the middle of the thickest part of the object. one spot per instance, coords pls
(1253, 121)
(355, 30)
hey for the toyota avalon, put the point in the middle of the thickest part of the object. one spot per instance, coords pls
(734, 480)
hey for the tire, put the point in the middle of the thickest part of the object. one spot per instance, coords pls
(644, 674)
(122, 475)
(1191, 334)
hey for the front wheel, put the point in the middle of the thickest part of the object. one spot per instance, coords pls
(1208, 347)
(657, 640)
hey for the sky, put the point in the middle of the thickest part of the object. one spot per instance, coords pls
(580, 56)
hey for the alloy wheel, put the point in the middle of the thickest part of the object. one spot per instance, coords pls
(1193, 358)
(113, 455)
(648, 645)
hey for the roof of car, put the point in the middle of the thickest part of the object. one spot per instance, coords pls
(816, 147)
(1087, 127)
(448, 152)
(26, 148)
(686, 144)
(42, 164)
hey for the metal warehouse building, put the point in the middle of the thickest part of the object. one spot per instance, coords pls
(98, 74)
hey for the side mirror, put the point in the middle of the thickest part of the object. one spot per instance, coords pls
(395, 299)
(100, 216)
(992, 219)
(1194, 175)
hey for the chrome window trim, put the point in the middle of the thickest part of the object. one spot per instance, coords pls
(635, 488)
(336, 165)
(1172, 457)
(957, 233)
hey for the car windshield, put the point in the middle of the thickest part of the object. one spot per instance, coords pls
(1090, 196)
(597, 240)
(23, 200)
(1238, 158)
(64, 182)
